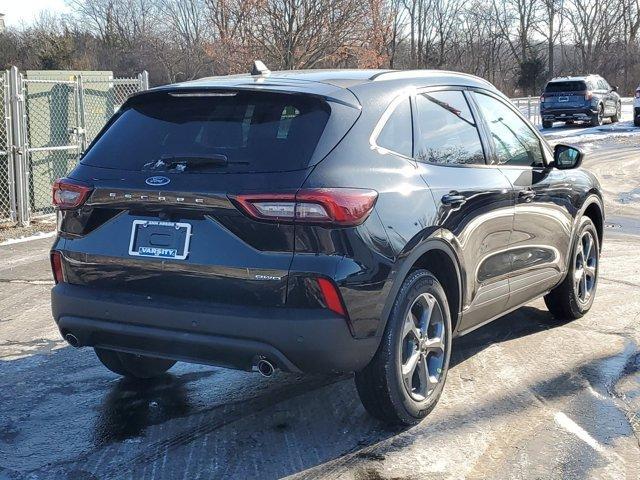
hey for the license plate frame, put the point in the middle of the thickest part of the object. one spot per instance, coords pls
(159, 252)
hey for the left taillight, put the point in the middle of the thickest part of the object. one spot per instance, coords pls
(56, 267)
(69, 193)
(343, 207)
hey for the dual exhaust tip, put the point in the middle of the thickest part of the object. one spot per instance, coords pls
(264, 366)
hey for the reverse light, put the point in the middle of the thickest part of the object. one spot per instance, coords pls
(334, 206)
(331, 296)
(56, 267)
(69, 193)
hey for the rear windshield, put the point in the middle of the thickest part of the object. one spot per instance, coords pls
(213, 132)
(565, 87)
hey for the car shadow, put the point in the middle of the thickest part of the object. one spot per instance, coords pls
(212, 422)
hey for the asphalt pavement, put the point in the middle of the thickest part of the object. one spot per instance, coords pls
(527, 397)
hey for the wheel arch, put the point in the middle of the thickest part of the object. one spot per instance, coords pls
(594, 209)
(439, 257)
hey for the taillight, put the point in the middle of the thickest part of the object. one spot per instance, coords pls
(334, 206)
(331, 296)
(637, 93)
(588, 95)
(56, 267)
(69, 193)
(542, 98)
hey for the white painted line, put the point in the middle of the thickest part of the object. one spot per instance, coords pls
(36, 236)
(572, 427)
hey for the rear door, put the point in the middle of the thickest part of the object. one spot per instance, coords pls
(542, 222)
(474, 202)
(162, 219)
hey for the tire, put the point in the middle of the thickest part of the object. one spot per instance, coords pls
(574, 296)
(381, 384)
(546, 124)
(135, 366)
(636, 122)
(616, 117)
(596, 120)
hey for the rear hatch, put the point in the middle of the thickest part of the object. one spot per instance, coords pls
(161, 218)
(565, 94)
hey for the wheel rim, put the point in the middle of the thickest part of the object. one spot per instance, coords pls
(585, 268)
(423, 347)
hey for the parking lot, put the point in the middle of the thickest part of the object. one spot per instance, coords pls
(527, 397)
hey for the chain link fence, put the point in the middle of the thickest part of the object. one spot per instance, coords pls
(7, 200)
(49, 118)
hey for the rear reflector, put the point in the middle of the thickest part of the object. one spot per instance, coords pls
(334, 206)
(56, 267)
(69, 193)
(331, 296)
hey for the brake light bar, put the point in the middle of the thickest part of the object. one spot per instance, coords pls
(68, 193)
(325, 206)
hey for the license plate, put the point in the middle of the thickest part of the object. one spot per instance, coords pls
(156, 239)
(563, 99)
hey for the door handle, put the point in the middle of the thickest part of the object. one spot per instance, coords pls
(527, 194)
(453, 199)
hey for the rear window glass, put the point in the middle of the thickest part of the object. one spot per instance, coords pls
(397, 134)
(227, 132)
(565, 87)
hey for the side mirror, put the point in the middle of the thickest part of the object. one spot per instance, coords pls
(566, 157)
(614, 88)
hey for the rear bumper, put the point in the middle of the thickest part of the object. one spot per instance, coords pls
(577, 114)
(295, 340)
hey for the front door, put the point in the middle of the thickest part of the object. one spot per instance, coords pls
(542, 222)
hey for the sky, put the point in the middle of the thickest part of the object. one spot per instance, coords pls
(19, 11)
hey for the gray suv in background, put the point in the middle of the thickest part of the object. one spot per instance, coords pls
(587, 98)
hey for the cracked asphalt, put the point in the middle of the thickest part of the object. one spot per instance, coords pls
(527, 397)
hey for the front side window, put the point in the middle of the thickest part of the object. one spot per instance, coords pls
(448, 134)
(397, 134)
(514, 141)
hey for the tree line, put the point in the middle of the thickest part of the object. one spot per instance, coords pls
(515, 44)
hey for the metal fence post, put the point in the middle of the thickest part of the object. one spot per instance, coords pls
(80, 115)
(19, 153)
(143, 78)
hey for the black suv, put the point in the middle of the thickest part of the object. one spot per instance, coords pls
(579, 99)
(321, 221)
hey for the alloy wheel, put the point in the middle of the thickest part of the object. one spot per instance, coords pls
(423, 347)
(585, 268)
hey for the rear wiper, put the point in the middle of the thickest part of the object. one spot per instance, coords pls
(194, 160)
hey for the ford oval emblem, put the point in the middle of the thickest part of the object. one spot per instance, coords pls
(157, 181)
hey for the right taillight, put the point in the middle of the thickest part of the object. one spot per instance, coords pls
(69, 193)
(56, 267)
(342, 207)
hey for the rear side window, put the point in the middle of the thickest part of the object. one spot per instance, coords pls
(216, 132)
(397, 134)
(448, 134)
(573, 86)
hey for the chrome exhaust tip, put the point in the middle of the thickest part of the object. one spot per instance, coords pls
(72, 340)
(265, 368)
